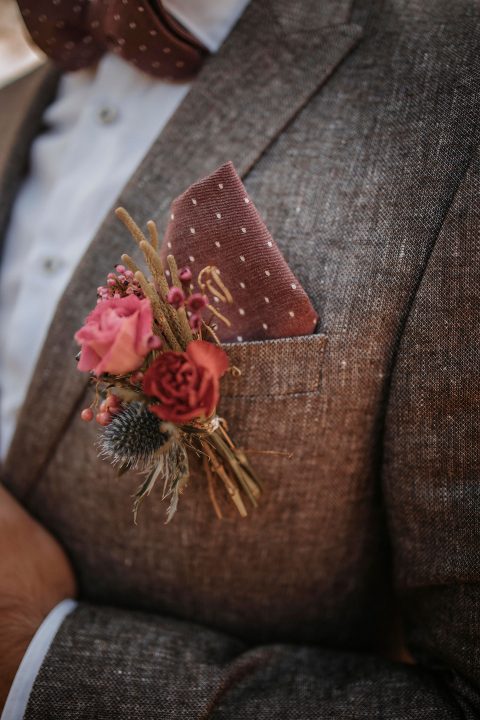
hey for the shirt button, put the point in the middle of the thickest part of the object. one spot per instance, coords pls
(107, 115)
(51, 265)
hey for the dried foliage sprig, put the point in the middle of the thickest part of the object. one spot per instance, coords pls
(159, 378)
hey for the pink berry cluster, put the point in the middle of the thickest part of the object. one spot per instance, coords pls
(108, 408)
(194, 303)
(119, 284)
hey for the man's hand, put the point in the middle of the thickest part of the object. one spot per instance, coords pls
(35, 575)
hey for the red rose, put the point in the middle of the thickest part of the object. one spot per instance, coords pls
(186, 383)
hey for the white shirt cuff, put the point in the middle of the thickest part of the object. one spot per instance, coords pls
(17, 699)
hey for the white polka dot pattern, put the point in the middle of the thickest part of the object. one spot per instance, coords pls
(143, 33)
(269, 301)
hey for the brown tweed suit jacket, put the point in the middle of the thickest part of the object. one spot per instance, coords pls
(354, 127)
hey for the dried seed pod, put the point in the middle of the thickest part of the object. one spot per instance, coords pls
(135, 437)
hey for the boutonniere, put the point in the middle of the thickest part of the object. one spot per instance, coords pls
(152, 349)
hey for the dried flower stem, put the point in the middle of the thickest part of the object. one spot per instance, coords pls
(130, 263)
(255, 483)
(182, 314)
(153, 232)
(213, 274)
(228, 481)
(173, 316)
(212, 332)
(241, 473)
(158, 313)
(130, 224)
(174, 327)
(211, 487)
(155, 266)
(219, 315)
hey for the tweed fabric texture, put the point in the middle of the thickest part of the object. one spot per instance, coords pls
(196, 673)
(360, 150)
(214, 222)
(76, 35)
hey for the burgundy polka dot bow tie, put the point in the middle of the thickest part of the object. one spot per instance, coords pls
(76, 33)
(215, 223)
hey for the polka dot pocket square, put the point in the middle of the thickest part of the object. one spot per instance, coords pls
(215, 222)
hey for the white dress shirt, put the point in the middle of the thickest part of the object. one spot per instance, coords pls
(99, 128)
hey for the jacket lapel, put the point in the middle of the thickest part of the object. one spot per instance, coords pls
(21, 108)
(243, 99)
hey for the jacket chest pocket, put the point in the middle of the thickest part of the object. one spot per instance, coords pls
(271, 368)
(273, 408)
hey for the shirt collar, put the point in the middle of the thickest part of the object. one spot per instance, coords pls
(208, 20)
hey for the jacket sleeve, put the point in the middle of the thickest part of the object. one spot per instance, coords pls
(107, 663)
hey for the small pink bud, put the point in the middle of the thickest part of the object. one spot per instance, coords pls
(111, 276)
(87, 414)
(129, 290)
(185, 274)
(120, 268)
(175, 297)
(195, 322)
(110, 401)
(128, 274)
(103, 418)
(197, 302)
(121, 278)
(111, 404)
(111, 282)
(154, 342)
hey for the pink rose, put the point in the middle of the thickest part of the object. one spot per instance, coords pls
(117, 336)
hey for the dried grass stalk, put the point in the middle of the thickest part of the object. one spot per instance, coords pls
(230, 484)
(153, 232)
(130, 224)
(182, 313)
(158, 313)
